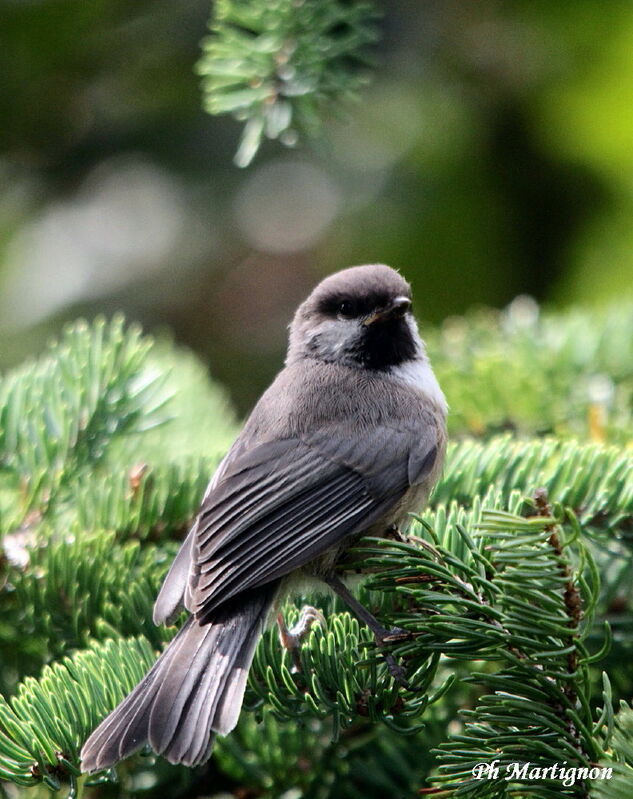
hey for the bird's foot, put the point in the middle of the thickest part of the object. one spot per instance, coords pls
(393, 636)
(382, 636)
(396, 671)
(394, 532)
(291, 637)
(385, 637)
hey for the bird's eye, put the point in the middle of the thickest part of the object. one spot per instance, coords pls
(346, 308)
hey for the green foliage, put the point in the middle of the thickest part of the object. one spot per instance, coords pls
(278, 66)
(519, 594)
(596, 481)
(47, 721)
(336, 680)
(66, 596)
(363, 763)
(502, 587)
(622, 748)
(94, 453)
(60, 413)
(145, 501)
(90, 404)
(565, 374)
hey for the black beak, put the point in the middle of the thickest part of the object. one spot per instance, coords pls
(396, 309)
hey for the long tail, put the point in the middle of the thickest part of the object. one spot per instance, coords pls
(194, 690)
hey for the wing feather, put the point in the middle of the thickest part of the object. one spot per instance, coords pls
(282, 504)
(298, 532)
(247, 494)
(273, 507)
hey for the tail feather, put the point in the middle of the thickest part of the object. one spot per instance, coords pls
(194, 690)
(172, 695)
(121, 733)
(189, 742)
(215, 703)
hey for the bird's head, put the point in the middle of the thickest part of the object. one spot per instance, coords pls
(360, 317)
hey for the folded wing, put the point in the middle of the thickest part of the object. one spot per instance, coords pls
(283, 503)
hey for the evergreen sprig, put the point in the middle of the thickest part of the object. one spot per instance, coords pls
(620, 758)
(60, 413)
(539, 709)
(365, 762)
(95, 451)
(278, 66)
(63, 569)
(146, 501)
(596, 481)
(79, 439)
(66, 596)
(459, 599)
(536, 373)
(337, 679)
(44, 726)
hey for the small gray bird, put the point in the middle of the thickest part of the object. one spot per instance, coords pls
(350, 436)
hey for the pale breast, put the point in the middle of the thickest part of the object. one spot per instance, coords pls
(419, 374)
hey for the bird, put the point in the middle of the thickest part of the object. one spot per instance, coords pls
(348, 439)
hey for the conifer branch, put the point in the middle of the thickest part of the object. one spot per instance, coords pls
(533, 374)
(43, 727)
(278, 68)
(596, 481)
(619, 758)
(477, 605)
(60, 414)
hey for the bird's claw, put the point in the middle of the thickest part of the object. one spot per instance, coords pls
(397, 672)
(394, 532)
(292, 637)
(392, 636)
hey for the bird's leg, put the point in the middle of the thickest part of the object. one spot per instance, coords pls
(381, 634)
(291, 637)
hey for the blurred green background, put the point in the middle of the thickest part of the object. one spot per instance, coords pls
(491, 156)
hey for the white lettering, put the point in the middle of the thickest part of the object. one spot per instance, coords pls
(516, 771)
(527, 772)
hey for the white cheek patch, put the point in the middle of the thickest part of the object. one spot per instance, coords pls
(334, 337)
